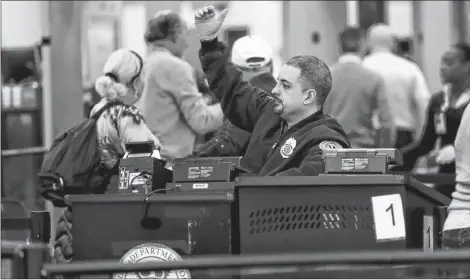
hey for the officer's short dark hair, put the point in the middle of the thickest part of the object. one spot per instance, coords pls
(464, 48)
(314, 74)
(164, 26)
(350, 39)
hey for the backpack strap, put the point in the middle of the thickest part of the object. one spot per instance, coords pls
(96, 115)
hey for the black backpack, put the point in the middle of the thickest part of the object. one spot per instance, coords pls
(72, 164)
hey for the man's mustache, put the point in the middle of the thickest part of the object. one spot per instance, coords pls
(273, 97)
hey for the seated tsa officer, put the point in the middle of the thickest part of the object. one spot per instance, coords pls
(288, 128)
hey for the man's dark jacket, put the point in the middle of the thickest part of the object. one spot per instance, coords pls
(272, 149)
(230, 140)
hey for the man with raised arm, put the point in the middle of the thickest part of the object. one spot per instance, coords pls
(288, 127)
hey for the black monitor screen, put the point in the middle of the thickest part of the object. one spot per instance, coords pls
(20, 64)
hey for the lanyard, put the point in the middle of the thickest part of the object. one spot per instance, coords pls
(445, 104)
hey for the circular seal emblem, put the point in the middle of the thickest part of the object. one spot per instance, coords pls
(330, 145)
(288, 147)
(152, 252)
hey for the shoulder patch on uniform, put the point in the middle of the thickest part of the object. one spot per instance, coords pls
(330, 145)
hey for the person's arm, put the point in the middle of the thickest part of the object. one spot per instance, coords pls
(421, 96)
(177, 79)
(229, 141)
(312, 164)
(386, 132)
(234, 142)
(209, 149)
(132, 128)
(241, 103)
(423, 145)
(462, 150)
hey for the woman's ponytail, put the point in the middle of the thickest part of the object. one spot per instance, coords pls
(109, 89)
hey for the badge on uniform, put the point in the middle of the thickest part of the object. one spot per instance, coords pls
(288, 147)
(330, 145)
(440, 123)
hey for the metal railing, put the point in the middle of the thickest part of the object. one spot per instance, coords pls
(272, 260)
(16, 247)
(19, 153)
(24, 151)
(437, 179)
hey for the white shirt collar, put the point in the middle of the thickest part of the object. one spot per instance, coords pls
(158, 48)
(349, 58)
(462, 100)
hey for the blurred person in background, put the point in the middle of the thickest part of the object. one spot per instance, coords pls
(171, 103)
(117, 125)
(357, 95)
(405, 84)
(288, 127)
(253, 57)
(90, 97)
(444, 114)
(404, 48)
(203, 87)
(209, 98)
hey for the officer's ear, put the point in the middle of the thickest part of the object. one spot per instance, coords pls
(309, 96)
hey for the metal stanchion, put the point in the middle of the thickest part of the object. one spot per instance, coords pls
(11, 262)
(25, 260)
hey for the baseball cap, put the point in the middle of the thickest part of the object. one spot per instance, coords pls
(251, 51)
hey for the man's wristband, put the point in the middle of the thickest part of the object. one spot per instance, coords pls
(208, 38)
(210, 45)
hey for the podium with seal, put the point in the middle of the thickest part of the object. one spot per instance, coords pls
(151, 252)
(186, 218)
(140, 228)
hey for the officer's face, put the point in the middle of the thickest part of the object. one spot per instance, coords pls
(288, 94)
(453, 66)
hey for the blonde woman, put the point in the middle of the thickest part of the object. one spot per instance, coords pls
(121, 123)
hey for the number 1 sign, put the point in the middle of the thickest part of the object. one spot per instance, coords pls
(428, 233)
(389, 219)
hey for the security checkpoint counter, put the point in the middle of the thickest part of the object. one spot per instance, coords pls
(332, 212)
